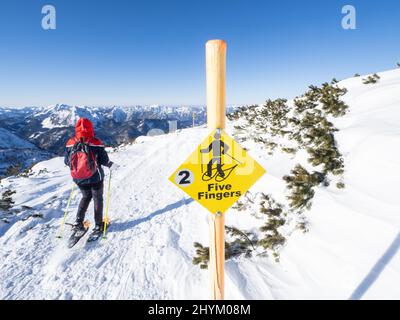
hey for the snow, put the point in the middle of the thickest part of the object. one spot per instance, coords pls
(350, 252)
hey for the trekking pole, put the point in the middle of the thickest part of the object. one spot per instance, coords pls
(59, 236)
(107, 205)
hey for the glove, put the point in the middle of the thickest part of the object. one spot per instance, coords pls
(115, 166)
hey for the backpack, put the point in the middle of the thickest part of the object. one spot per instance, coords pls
(83, 163)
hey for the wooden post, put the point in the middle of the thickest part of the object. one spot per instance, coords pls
(216, 71)
(216, 114)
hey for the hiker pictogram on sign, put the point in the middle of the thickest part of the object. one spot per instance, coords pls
(217, 173)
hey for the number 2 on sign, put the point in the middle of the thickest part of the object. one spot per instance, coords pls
(184, 178)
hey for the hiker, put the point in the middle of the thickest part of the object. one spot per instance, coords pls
(85, 154)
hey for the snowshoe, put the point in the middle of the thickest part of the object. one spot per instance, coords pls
(97, 233)
(78, 231)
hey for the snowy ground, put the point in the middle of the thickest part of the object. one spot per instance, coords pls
(351, 250)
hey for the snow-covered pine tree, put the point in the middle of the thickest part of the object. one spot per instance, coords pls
(371, 79)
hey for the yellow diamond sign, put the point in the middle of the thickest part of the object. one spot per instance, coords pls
(217, 173)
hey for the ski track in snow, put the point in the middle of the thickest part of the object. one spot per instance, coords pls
(351, 250)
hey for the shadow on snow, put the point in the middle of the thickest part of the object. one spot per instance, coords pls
(122, 226)
(376, 270)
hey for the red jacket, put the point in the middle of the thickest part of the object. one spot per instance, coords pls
(84, 130)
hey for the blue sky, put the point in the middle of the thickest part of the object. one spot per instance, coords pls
(145, 52)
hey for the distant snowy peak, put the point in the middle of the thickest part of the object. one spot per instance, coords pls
(118, 115)
(62, 115)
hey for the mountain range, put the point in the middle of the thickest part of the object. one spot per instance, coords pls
(43, 131)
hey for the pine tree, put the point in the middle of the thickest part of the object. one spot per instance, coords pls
(243, 243)
(274, 112)
(272, 238)
(202, 256)
(6, 201)
(14, 170)
(371, 79)
(301, 184)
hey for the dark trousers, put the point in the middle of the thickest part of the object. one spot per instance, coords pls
(89, 192)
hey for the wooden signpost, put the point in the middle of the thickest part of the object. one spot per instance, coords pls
(216, 114)
(219, 171)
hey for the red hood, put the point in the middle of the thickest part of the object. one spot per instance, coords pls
(84, 129)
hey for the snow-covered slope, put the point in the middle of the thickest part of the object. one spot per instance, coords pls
(351, 250)
(16, 151)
